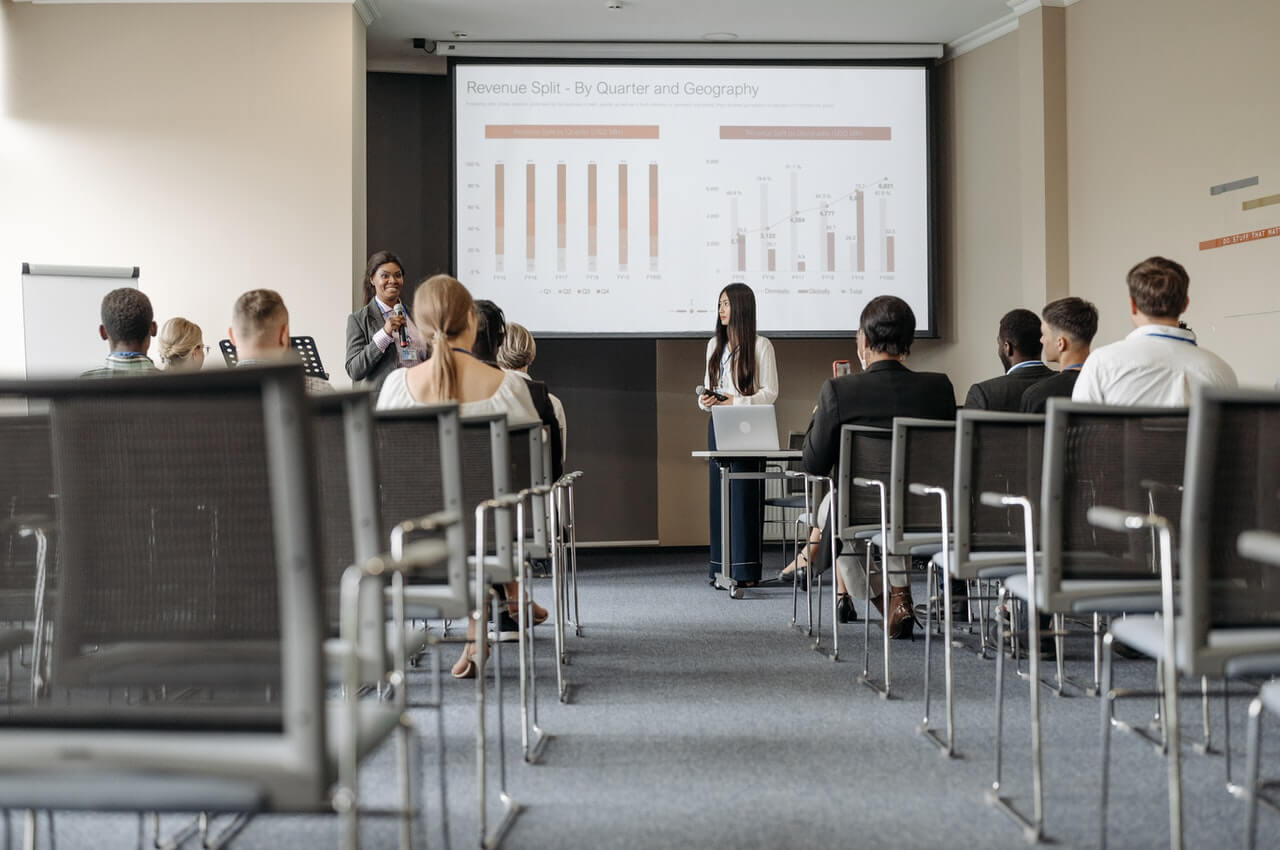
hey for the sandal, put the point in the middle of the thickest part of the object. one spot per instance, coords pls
(468, 670)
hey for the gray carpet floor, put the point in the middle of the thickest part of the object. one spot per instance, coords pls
(700, 721)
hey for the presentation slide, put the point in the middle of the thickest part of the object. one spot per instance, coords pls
(609, 199)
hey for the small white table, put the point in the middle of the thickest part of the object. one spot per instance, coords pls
(723, 459)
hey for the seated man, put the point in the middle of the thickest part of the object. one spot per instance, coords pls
(1018, 346)
(1066, 331)
(128, 325)
(885, 388)
(260, 332)
(1159, 362)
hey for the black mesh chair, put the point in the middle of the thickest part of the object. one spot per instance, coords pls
(861, 496)
(1093, 456)
(1263, 547)
(994, 453)
(27, 537)
(418, 455)
(1227, 622)
(790, 504)
(188, 556)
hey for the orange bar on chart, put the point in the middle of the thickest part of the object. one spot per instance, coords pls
(499, 213)
(773, 260)
(831, 250)
(653, 216)
(591, 217)
(622, 215)
(561, 200)
(571, 131)
(862, 243)
(888, 253)
(780, 132)
(530, 208)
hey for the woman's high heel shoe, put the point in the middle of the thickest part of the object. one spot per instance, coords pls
(845, 611)
(466, 666)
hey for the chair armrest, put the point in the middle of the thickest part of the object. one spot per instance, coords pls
(1261, 546)
(438, 521)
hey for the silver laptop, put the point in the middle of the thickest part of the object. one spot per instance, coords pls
(745, 427)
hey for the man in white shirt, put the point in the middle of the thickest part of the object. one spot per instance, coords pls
(1159, 362)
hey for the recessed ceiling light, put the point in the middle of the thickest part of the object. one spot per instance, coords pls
(613, 5)
(457, 34)
(720, 36)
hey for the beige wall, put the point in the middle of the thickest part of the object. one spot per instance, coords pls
(218, 147)
(1165, 99)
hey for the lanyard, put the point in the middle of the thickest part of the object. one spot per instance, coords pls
(1171, 336)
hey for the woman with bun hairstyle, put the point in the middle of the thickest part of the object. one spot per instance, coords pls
(181, 344)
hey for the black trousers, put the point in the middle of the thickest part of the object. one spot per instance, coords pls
(746, 512)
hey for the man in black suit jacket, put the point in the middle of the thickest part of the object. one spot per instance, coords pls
(1066, 332)
(884, 389)
(1019, 351)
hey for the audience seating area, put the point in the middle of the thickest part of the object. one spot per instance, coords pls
(224, 600)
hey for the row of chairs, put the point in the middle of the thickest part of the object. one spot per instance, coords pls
(1125, 519)
(220, 588)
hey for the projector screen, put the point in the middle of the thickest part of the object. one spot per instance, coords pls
(620, 199)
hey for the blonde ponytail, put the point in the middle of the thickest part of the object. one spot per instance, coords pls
(442, 307)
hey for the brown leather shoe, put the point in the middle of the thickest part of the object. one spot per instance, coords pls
(901, 619)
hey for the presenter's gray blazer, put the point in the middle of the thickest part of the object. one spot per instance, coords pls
(365, 363)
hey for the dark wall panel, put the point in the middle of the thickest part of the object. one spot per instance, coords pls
(607, 386)
(609, 391)
(409, 170)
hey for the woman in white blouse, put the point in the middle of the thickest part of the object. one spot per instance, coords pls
(741, 369)
(445, 313)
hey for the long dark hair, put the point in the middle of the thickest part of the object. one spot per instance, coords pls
(742, 329)
(491, 330)
(381, 258)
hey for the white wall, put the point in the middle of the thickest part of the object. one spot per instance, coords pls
(218, 147)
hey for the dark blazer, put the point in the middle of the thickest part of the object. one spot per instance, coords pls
(1036, 397)
(365, 362)
(873, 397)
(1005, 392)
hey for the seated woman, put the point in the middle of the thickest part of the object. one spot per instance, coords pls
(885, 388)
(516, 355)
(445, 313)
(181, 344)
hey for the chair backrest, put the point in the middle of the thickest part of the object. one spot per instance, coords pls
(924, 452)
(794, 486)
(865, 452)
(346, 475)
(997, 453)
(188, 557)
(26, 498)
(486, 473)
(530, 454)
(1114, 456)
(1232, 485)
(419, 456)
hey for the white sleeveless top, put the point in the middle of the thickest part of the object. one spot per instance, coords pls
(512, 398)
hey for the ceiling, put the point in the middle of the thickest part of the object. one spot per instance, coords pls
(903, 21)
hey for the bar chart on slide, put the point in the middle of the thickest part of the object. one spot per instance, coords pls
(565, 215)
(797, 222)
(601, 198)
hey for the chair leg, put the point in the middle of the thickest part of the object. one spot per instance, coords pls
(1251, 774)
(1107, 706)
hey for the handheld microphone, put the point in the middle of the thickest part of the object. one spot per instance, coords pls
(404, 331)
